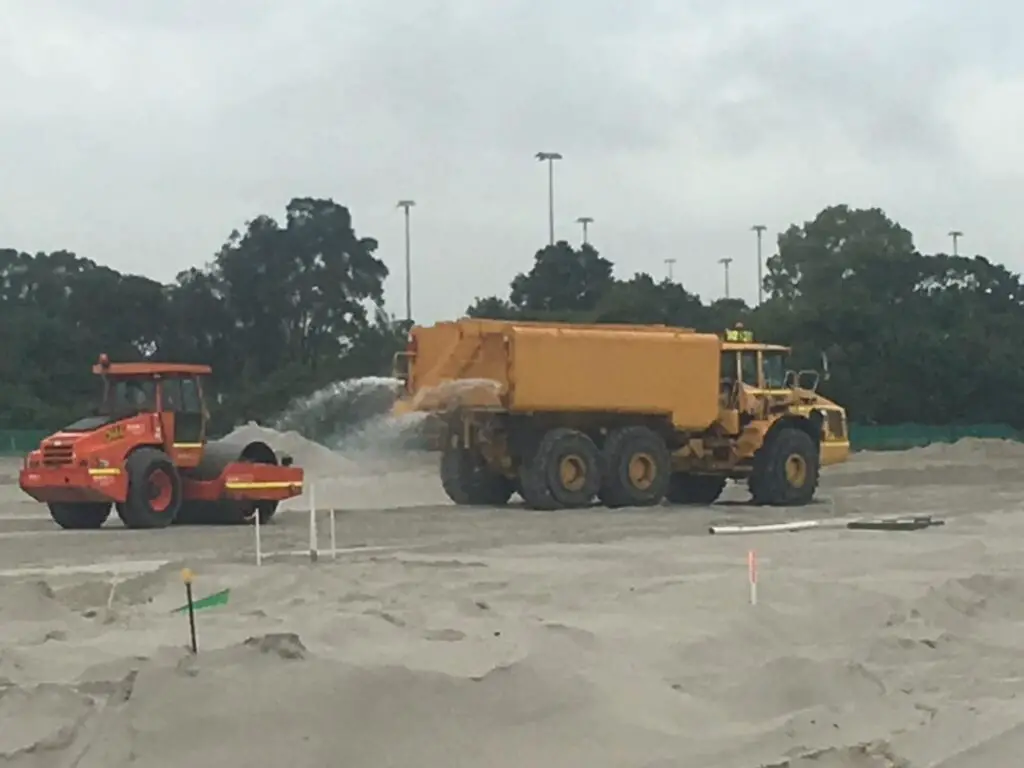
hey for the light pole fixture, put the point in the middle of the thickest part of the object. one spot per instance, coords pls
(670, 263)
(956, 234)
(759, 229)
(549, 158)
(585, 222)
(405, 205)
(725, 266)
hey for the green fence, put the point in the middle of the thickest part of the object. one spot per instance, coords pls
(899, 437)
(18, 442)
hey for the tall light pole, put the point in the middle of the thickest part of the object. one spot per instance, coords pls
(550, 158)
(759, 229)
(725, 265)
(405, 205)
(956, 234)
(670, 262)
(585, 222)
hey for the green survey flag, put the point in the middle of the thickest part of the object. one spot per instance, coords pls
(211, 601)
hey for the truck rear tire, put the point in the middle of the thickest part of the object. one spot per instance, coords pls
(786, 469)
(154, 490)
(637, 468)
(467, 480)
(696, 490)
(82, 516)
(564, 471)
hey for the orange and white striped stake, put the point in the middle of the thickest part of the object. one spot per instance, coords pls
(752, 575)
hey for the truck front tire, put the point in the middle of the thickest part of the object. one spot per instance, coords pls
(786, 469)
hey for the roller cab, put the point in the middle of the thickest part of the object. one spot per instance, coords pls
(145, 454)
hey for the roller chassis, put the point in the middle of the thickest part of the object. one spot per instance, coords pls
(138, 464)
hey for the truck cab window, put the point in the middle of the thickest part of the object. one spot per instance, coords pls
(748, 368)
(774, 369)
(728, 367)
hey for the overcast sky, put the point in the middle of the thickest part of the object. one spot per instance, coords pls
(139, 133)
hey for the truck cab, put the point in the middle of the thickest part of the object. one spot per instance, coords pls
(759, 376)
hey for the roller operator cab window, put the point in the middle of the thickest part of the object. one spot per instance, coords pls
(170, 391)
(129, 396)
(774, 369)
(190, 400)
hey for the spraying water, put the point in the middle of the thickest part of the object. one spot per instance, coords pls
(328, 414)
(355, 416)
(455, 392)
(382, 435)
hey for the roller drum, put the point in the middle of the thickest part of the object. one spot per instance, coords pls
(216, 456)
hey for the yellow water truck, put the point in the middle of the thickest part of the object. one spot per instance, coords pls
(630, 415)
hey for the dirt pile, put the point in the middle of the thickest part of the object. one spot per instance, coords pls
(315, 458)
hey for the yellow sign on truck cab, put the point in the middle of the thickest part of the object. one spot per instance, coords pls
(739, 336)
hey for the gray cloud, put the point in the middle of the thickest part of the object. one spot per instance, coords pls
(142, 133)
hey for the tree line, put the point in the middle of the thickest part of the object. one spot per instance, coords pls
(286, 307)
(283, 308)
(910, 337)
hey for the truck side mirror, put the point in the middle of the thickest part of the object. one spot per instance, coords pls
(808, 380)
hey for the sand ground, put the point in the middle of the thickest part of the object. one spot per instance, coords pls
(464, 637)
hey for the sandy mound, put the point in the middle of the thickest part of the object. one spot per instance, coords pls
(969, 450)
(581, 639)
(967, 462)
(315, 458)
(356, 478)
(30, 601)
(269, 701)
(966, 451)
(960, 604)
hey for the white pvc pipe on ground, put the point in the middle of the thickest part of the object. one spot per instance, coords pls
(799, 525)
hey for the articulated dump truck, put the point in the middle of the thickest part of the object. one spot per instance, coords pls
(630, 415)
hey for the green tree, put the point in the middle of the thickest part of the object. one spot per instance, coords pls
(280, 311)
(297, 298)
(562, 280)
(641, 300)
(493, 308)
(818, 259)
(59, 311)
